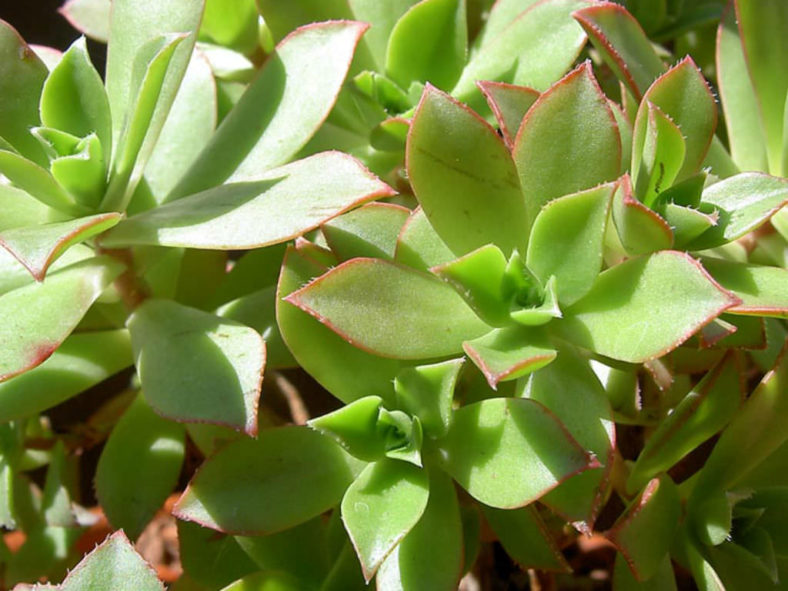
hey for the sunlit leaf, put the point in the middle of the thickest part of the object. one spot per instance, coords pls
(427, 391)
(509, 104)
(640, 229)
(419, 246)
(763, 290)
(89, 17)
(369, 231)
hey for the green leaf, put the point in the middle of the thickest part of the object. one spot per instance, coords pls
(37, 182)
(383, 16)
(231, 24)
(225, 494)
(685, 97)
(266, 581)
(662, 580)
(37, 318)
(624, 46)
(623, 315)
(429, 43)
(746, 136)
(430, 555)
(344, 370)
(454, 158)
(419, 246)
(73, 98)
(355, 428)
(37, 247)
(381, 507)
(567, 241)
(567, 142)
(83, 174)
(640, 229)
(761, 26)
(21, 209)
(22, 76)
(534, 50)
(427, 392)
(703, 412)
(155, 448)
(282, 18)
(152, 66)
(509, 452)
(135, 23)
(644, 533)
(687, 223)
(13, 275)
(220, 365)
(571, 391)
(275, 117)
(524, 536)
(509, 353)
(744, 202)
(89, 17)
(369, 231)
(509, 104)
(763, 290)
(390, 310)
(213, 559)
(112, 565)
(82, 361)
(658, 154)
(479, 277)
(281, 204)
(56, 502)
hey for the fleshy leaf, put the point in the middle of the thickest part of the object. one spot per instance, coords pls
(509, 104)
(479, 277)
(427, 391)
(430, 555)
(534, 50)
(685, 97)
(112, 565)
(640, 229)
(419, 246)
(390, 310)
(525, 538)
(225, 494)
(155, 448)
(208, 556)
(344, 370)
(280, 205)
(663, 580)
(266, 581)
(567, 241)
(275, 117)
(22, 76)
(631, 326)
(381, 507)
(89, 17)
(369, 231)
(82, 361)
(231, 24)
(509, 452)
(644, 533)
(763, 290)
(38, 317)
(568, 141)
(428, 44)
(703, 412)
(74, 100)
(687, 223)
(222, 364)
(623, 44)
(509, 353)
(355, 428)
(744, 202)
(658, 152)
(37, 247)
(461, 170)
(37, 182)
(83, 174)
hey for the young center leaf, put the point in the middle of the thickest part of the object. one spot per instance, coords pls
(390, 310)
(277, 206)
(623, 316)
(197, 367)
(460, 170)
(299, 472)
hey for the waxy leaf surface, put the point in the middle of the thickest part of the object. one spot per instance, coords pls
(36, 181)
(89, 17)
(278, 206)
(37, 318)
(355, 428)
(37, 247)
(509, 452)
(390, 310)
(369, 231)
(567, 142)
(298, 472)
(623, 316)
(509, 104)
(275, 117)
(567, 241)
(640, 229)
(763, 290)
(221, 364)
(460, 171)
(381, 507)
(419, 246)
(155, 448)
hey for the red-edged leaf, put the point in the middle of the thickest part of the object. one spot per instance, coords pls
(369, 231)
(640, 229)
(763, 290)
(509, 104)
